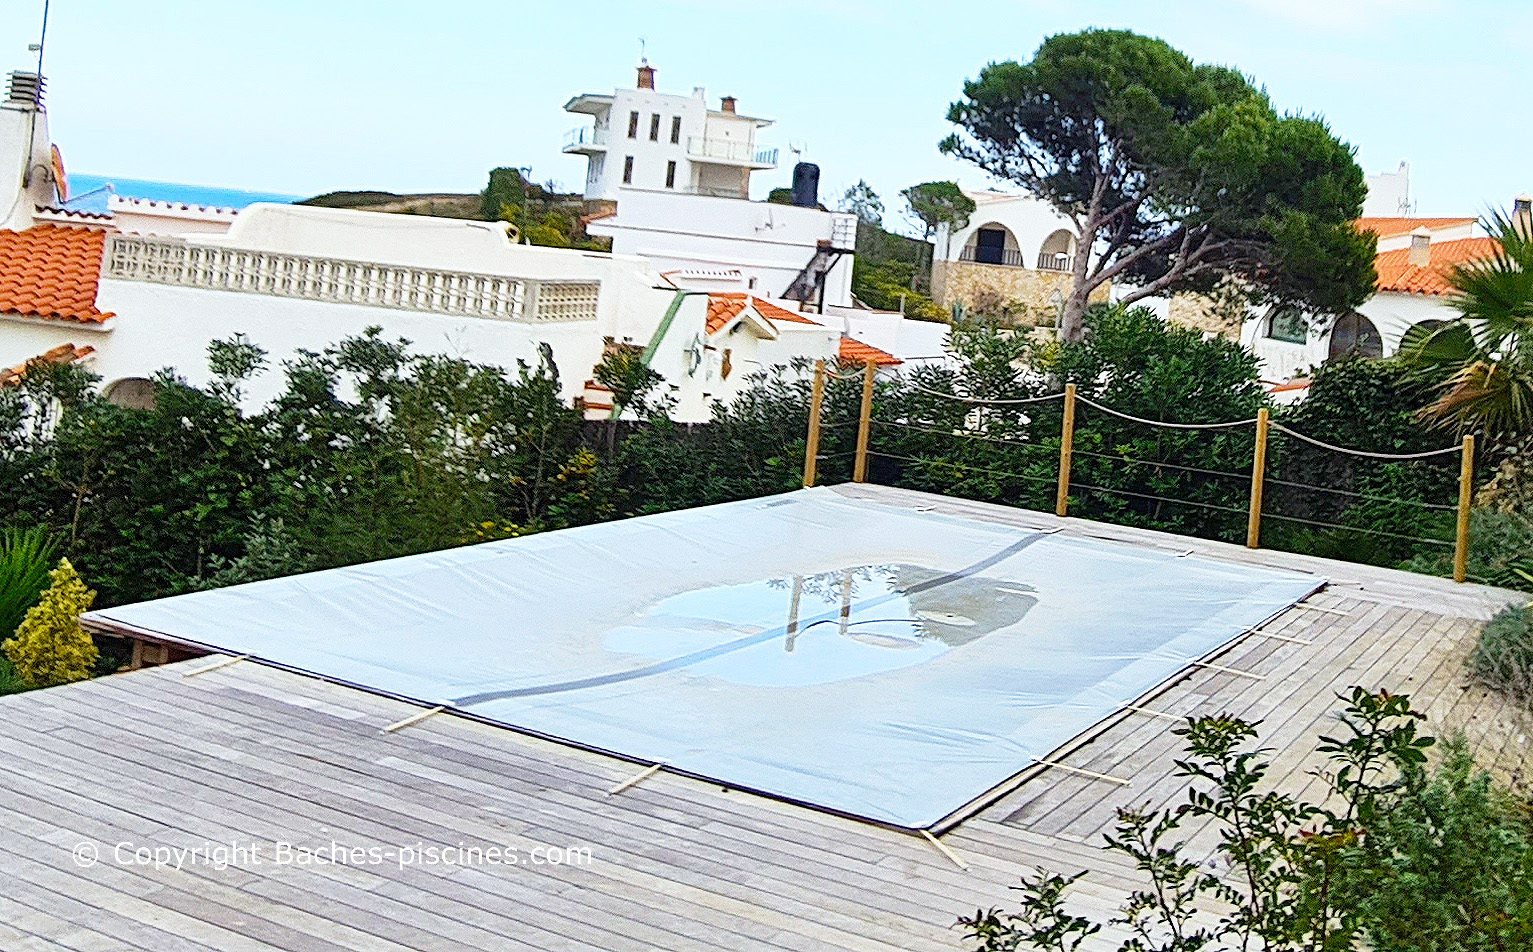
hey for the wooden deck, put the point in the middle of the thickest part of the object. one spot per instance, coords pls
(251, 754)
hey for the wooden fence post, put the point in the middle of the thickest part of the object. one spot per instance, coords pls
(1066, 448)
(1465, 497)
(812, 440)
(864, 424)
(1258, 480)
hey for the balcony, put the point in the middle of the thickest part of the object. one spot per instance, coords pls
(730, 152)
(586, 139)
(1011, 258)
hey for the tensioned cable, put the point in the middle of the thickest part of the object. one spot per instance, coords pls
(1175, 426)
(1049, 480)
(1335, 525)
(1348, 492)
(1342, 449)
(1169, 499)
(966, 434)
(980, 401)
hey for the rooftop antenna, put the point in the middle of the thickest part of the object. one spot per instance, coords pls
(643, 59)
(798, 148)
(42, 38)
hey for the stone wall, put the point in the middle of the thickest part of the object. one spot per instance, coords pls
(1222, 312)
(1021, 295)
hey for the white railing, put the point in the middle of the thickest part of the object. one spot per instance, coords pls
(843, 232)
(338, 281)
(729, 150)
(584, 137)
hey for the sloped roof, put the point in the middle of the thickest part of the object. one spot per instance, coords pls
(1394, 227)
(854, 351)
(62, 354)
(52, 272)
(1398, 275)
(725, 306)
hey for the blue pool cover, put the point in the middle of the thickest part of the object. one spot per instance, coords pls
(860, 657)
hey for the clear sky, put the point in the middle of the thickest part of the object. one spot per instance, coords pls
(305, 97)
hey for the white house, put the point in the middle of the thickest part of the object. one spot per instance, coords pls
(648, 139)
(668, 179)
(1015, 254)
(1414, 258)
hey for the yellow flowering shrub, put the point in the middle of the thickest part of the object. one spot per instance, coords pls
(50, 647)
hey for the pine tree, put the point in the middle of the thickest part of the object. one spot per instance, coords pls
(50, 647)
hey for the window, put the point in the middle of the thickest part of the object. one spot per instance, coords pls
(1287, 324)
(670, 175)
(675, 130)
(654, 127)
(990, 246)
(628, 170)
(1355, 336)
(633, 125)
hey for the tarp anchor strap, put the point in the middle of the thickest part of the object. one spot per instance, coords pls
(646, 772)
(943, 849)
(221, 663)
(1317, 608)
(1084, 772)
(1183, 555)
(1219, 667)
(1145, 710)
(1278, 637)
(415, 718)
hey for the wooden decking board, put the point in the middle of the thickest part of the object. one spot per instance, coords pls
(682, 864)
(828, 885)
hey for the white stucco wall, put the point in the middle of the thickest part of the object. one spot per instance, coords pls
(910, 341)
(1392, 315)
(768, 242)
(1029, 222)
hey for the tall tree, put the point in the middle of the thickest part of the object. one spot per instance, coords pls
(1176, 175)
(934, 204)
(863, 202)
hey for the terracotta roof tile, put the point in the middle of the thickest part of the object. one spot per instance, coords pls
(858, 353)
(1397, 274)
(1394, 227)
(724, 307)
(62, 354)
(52, 272)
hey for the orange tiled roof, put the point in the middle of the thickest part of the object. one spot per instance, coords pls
(52, 272)
(1397, 274)
(1394, 227)
(62, 354)
(856, 352)
(726, 306)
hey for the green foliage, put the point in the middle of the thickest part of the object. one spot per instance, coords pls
(1503, 658)
(1483, 368)
(632, 381)
(780, 196)
(25, 557)
(1181, 174)
(1397, 857)
(506, 192)
(1500, 551)
(50, 647)
(938, 203)
(885, 285)
(863, 202)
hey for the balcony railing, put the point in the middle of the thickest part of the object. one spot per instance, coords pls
(1052, 261)
(1006, 257)
(585, 137)
(496, 297)
(729, 150)
(1011, 258)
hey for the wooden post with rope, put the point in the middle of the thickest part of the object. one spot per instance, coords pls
(812, 440)
(1258, 480)
(864, 424)
(1066, 449)
(1465, 497)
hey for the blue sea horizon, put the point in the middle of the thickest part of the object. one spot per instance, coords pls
(81, 184)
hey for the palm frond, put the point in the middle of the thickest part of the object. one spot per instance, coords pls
(26, 557)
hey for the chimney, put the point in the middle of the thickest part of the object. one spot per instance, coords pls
(728, 105)
(1420, 254)
(1522, 213)
(26, 90)
(646, 75)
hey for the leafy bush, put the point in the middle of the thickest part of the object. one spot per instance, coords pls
(1398, 858)
(50, 647)
(1503, 658)
(1500, 551)
(25, 555)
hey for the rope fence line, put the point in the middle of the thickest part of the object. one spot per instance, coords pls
(964, 434)
(1257, 478)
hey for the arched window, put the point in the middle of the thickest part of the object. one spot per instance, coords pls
(1287, 324)
(135, 393)
(992, 243)
(1056, 251)
(1355, 336)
